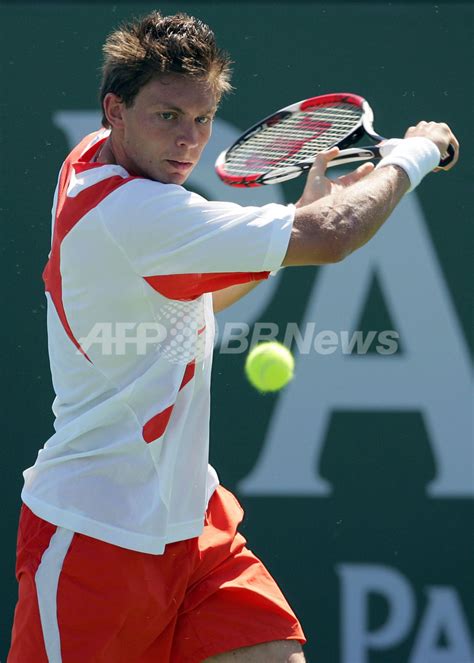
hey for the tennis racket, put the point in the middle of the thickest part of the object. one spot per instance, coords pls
(285, 144)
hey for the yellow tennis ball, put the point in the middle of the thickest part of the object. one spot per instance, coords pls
(269, 366)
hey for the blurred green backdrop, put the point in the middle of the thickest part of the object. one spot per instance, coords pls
(357, 480)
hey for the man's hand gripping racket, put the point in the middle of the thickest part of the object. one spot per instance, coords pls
(286, 143)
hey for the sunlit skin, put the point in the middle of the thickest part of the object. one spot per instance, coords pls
(161, 136)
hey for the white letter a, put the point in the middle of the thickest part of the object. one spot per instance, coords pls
(432, 375)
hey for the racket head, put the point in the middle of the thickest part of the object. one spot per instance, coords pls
(285, 143)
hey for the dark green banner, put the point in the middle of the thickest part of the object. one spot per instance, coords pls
(357, 479)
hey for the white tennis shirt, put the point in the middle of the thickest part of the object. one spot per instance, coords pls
(132, 266)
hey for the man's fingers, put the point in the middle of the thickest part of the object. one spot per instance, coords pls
(455, 144)
(321, 161)
(441, 135)
(363, 170)
(356, 175)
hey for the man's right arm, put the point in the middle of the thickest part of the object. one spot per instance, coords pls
(334, 218)
(331, 228)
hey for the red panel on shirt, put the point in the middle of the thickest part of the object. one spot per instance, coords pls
(70, 211)
(188, 374)
(156, 426)
(185, 287)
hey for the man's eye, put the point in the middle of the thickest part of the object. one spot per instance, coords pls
(167, 115)
(204, 119)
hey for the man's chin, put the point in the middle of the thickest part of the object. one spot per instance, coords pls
(169, 178)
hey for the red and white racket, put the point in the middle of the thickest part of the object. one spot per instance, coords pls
(285, 144)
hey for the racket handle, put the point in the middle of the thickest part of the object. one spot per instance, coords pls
(353, 154)
(278, 175)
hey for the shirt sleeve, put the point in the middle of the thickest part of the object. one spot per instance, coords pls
(169, 233)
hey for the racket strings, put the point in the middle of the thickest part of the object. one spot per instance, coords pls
(296, 138)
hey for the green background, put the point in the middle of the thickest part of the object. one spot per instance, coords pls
(413, 62)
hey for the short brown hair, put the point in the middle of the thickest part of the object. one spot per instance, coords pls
(156, 44)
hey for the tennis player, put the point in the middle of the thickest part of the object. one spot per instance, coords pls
(128, 546)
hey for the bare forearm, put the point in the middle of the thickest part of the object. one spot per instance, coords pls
(338, 224)
(221, 299)
(367, 205)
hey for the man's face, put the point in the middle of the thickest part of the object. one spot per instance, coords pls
(163, 133)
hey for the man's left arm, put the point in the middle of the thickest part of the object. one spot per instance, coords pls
(224, 298)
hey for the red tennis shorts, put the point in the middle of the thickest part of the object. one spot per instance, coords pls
(82, 600)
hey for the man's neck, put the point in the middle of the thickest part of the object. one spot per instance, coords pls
(105, 154)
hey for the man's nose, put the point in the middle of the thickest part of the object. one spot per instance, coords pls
(188, 136)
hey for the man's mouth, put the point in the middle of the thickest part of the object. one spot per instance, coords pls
(180, 166)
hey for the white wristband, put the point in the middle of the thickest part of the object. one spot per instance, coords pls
(418, 156)
(388, 146)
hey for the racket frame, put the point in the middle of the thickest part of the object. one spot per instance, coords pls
(347, 155)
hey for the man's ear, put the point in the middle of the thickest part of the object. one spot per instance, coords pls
(113, 109)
